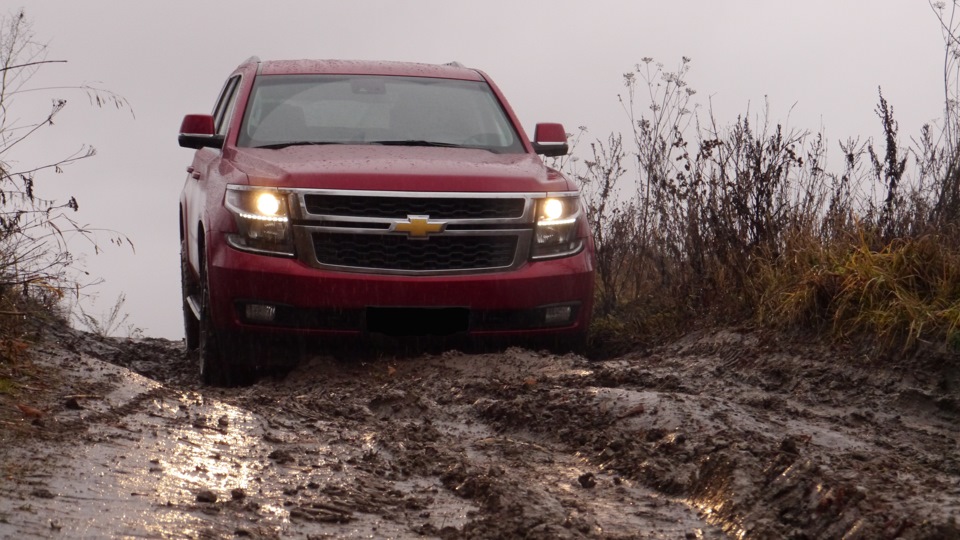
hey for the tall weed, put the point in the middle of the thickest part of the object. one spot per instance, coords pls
(697, 221)
(37, 267)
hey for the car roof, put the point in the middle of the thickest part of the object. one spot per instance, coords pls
(368, 67)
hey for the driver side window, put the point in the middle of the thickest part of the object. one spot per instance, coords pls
(225, 105)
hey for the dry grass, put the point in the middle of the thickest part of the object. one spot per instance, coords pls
(903, 295)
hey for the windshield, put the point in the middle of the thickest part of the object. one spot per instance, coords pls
(286, 110)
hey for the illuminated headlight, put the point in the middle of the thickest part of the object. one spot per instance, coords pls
(553, 209)
(558, 224)
(268, 204)
(262, 220)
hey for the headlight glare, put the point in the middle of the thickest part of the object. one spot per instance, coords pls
(268, 204)
(558, 223)
(552, 209)
(261, 218)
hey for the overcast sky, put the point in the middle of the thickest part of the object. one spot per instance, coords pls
(817, 62)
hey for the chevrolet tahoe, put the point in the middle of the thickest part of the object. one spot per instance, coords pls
(343, 199)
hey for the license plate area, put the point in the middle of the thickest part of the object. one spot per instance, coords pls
(417, 321)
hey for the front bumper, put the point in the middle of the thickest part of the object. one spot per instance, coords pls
(541, 298)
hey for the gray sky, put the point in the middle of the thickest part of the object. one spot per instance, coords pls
(817, 62)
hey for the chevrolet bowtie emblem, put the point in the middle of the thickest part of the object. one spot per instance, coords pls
(418, 226)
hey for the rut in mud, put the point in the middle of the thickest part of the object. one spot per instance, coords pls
(720, 434)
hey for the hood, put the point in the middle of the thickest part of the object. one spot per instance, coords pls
(397, 168)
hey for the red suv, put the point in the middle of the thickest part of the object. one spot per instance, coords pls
(337, 199)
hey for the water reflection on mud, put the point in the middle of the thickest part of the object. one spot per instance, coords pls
(147, 469)
(206, 451)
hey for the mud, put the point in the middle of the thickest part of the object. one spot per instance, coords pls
(722, 434)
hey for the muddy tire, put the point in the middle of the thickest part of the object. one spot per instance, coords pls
(222, 362)
(188, 286)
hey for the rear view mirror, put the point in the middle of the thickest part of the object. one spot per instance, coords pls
(550, 140)
(196, 131)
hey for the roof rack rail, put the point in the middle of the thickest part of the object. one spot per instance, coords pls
(455, 64)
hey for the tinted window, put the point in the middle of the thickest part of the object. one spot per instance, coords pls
(362, 109)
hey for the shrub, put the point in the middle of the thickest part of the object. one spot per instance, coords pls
(37, 268)
(696, 222)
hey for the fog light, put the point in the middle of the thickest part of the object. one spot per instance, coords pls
(555, 315)
(260, 312)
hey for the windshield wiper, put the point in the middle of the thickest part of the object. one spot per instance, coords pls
(417, 142)
(276, 146)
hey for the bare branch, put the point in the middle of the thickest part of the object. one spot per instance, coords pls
(28, 64)
(36, 233)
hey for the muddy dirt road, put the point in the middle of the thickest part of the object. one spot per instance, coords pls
(722, 434)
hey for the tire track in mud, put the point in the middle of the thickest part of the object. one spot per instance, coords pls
(420, 424)
(793, 441)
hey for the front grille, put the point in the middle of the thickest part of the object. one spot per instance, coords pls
(401, 207)
(397, 252)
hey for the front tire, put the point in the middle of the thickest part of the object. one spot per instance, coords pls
(221, 360)
(188, 286)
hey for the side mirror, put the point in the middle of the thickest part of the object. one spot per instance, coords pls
(550, 140)
(196, 131)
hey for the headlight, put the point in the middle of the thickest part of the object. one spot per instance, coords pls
(558, 222)
(268, 204)
(552, 209)
(262, 220)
